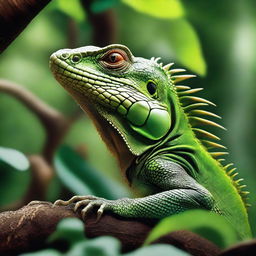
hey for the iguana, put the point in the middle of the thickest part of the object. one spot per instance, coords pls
(152, 125)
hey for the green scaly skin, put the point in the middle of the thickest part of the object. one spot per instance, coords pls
(148, 122)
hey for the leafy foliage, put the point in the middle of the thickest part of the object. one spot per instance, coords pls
(204, 223)
(71, 8)
(13, 159)
(160, 9)
(81, 178)
(188, 54)
(72, 231)
(13, 166)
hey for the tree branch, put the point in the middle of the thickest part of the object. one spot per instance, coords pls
(55, 124)
(27, 229)
(15, 16)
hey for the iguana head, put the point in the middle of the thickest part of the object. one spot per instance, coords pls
(130, 94)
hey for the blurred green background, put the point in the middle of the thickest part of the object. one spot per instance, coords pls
(215, 40)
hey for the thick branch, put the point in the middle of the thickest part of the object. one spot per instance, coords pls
(15, 16)
(27, 228)
(55, 124)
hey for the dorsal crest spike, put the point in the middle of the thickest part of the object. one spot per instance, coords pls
(201, 121)
(168, 66)
(180, 78)
(190, 99)
(217, 154)
(157, 59)
(233, 175)
(203, 112)
(190, 91)
(231, 171)
(205, 134)
(182, 87)
(238, 181)
(211, 144)
(227, 166)
(176, 70)
(192, 106)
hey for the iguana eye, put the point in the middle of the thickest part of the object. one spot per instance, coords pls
(115, 59)
(151, 87)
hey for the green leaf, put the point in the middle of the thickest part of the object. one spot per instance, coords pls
(14, 159)
(204, 223)
(157, 249)
(161, 9)
(81, 178)
(186, 45)
(101, 246)
(72, 8)
(69, 229)
(13, 166)
(47, 252)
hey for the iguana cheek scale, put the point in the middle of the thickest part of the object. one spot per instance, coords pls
(153, 126)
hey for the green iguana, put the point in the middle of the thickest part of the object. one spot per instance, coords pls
(150, 125)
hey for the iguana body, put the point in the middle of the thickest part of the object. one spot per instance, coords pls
(148, 122)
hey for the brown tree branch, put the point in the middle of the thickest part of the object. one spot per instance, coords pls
(72, 34)
(15, 15)
(27, 229)
(55, 124)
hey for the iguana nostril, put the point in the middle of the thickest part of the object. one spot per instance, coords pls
(64, 55)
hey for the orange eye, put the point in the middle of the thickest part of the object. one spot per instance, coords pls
(115, 59)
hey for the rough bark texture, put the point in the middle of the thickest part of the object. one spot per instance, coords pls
(15, 15)
(27, 228)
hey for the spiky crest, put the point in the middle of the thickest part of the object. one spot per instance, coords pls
(192, 107)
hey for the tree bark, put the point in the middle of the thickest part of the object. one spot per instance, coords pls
(27, 229)
(15, 15)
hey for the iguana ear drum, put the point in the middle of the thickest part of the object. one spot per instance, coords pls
(151, 123)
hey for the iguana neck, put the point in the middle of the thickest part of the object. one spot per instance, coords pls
(180, 141)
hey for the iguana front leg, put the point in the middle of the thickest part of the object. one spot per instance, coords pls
(179, 193)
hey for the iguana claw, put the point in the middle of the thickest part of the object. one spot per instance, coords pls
(88, 203)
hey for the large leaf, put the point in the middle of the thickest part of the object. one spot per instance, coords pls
(69, 229)
(204, 223)
(186, 45)
(82, 179)
(160, 9)
(157, 249)
(72, 8)
(101, 246)
(13, 159)
(14, 176)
